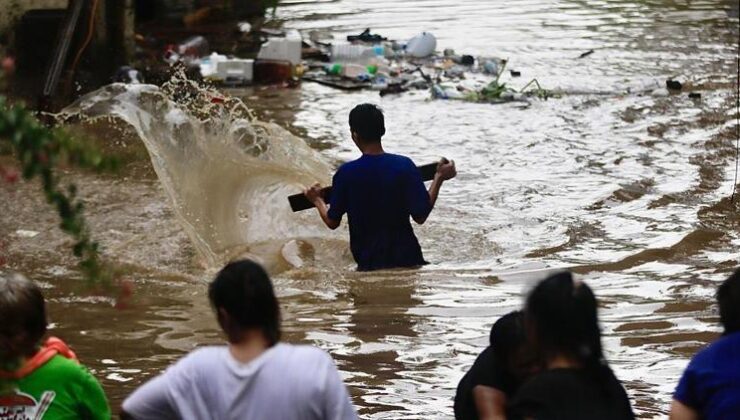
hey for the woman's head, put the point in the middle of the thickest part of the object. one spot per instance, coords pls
(243, 298)
(23, 315)
(561, 318)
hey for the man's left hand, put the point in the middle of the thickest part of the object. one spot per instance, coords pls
(313, 193)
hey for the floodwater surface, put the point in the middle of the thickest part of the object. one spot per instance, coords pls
(630, 191)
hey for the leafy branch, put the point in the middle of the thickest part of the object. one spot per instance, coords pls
(39, 150)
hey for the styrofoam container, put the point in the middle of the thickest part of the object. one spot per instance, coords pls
(286, 48)
(235, 68)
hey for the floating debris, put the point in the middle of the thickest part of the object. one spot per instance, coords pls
(673, 85)
(25, 233)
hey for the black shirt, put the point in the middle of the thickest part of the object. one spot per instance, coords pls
(572, 394)
(484, 372)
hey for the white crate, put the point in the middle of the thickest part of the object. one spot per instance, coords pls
(235, 68)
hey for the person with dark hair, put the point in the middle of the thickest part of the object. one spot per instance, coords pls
(379, 192)
(40, 379)
(255, 376)
(710, 385)
(576, 382)
(497, 373)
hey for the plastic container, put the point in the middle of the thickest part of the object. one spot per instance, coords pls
(287, 48)
(422, 45)
(272, 71)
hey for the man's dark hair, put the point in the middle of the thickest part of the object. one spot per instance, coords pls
(243, 289)
(367, 121)
(22, 317)
(728, 297)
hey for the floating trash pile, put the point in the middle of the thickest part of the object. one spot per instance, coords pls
(370, 61)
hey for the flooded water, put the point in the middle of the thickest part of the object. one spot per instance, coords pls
(632, 192)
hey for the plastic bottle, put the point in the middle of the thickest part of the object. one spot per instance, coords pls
(334, 68)
(353, 71)
(351, 53)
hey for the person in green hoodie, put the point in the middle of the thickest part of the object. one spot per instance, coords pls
(40, 379)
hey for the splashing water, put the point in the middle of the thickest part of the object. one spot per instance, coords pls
(226, 173)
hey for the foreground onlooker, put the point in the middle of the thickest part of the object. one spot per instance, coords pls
(576, 383)
(255, 376)
(40, 381)
(497, 373)
(710, 386)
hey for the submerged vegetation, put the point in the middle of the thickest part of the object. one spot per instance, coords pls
(497, 91)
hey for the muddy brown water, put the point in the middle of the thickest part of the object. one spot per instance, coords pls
(629, 191)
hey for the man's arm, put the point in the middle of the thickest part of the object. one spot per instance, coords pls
(445, 170)
(314, 196)
(681, 411)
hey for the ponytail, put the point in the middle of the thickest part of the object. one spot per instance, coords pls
(565, 320)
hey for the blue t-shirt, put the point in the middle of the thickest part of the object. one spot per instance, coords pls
(711, 382)
(379, 193)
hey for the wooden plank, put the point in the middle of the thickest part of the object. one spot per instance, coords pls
(299, 202)
(338, 82)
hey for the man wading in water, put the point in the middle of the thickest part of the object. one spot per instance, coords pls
(379, 191)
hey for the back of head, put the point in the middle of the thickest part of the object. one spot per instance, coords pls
(511, 356)
(507, 334)
(728, 298)
(243, 291)
(367, 121)
(22, 317)
(562, 315)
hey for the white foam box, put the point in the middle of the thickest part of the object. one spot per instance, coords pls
(235, 68)
(287, 48)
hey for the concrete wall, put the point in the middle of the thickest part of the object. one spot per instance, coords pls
(10, 10)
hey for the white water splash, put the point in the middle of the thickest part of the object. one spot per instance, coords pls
(226, 173)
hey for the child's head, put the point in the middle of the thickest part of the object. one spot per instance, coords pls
(23, 315)
(509, 342)
(244, 301)
(728, 297)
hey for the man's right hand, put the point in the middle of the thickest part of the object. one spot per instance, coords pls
(446, 169)
(313, 193)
